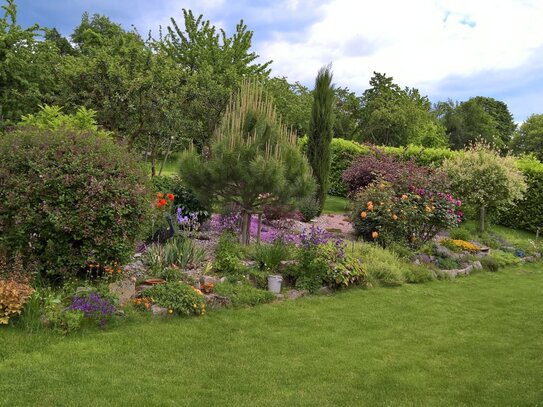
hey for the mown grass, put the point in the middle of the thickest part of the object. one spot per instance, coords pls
(336, 204)
(475, 341)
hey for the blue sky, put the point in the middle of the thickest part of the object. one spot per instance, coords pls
(446, 48)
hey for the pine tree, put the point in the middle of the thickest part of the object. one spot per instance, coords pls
(253, 159)
(321, 131)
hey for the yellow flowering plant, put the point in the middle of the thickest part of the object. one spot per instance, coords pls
(178, 298)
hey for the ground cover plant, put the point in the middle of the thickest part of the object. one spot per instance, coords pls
(396, 346)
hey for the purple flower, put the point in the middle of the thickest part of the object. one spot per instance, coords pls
(93, 306)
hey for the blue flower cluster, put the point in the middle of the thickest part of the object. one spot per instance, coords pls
(93, 306)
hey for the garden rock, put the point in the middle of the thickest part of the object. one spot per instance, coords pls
(324, 291)
(423, 258)
(210, 280)
(443, 251)
(477, 265)
(279, 296)
(216, 301)
(249, 263)
(295, 294)
(136, 269)
(284, 265)
(157, 310)
(460, 272)
(124, 289)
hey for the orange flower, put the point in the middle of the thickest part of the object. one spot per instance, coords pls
(370, 205)
(170, 197)
(404, 197)
(160, 195)
(394, 217)
(374, 235)
(161, 203)
(363, 215)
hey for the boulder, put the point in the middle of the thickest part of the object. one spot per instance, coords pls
(477, 265)
(216, 301)
(324, 291)
(125, 290)
(157, 310)
(294, 294)
(285, 265)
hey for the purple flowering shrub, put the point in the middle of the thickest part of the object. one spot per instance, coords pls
(94, 306)
(413, 217)
(322, 261)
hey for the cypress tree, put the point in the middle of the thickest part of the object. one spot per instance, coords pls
(321, 131)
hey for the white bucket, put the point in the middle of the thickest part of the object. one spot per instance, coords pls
(274, 284)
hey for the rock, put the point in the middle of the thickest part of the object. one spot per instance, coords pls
(157, 310)
(136, 269)
(124, 289)
(423, 258)
(324, 291)
(477, 265)
(294, 294)
(209, 280)
(484, 251)
(285, 265)
(249, 263)
(279, 296)
(443, 251)
(142, 287)
(216, 301)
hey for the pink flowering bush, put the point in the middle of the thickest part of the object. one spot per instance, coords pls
(413, 217)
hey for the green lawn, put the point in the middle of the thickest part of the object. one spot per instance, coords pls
(469, 342)
(171, 167)
(336, 204)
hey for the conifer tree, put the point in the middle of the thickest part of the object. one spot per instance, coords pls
(321, 131)
(253, 159)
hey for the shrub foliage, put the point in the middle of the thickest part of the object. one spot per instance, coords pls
(69, 198)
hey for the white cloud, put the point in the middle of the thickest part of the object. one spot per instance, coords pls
(419, 42)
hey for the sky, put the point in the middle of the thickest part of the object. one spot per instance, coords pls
(453, 49)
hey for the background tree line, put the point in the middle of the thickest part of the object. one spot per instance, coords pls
(160, 94)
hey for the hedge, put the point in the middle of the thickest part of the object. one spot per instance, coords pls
(527, 214)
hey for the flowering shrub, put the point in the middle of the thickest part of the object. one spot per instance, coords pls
(93, 306)
(70, 198)
(182, 197)
(401, 174)
(13, 296)
(412, 217)
(178, 298)
(187, 222)
(322, 261)
(457, 245)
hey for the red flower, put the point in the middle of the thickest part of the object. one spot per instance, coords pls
(170, 197)
(161, 202)
(160, 195)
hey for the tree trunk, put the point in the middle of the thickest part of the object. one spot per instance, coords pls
(153, 164)
(245, 227)
(168, 151)
(259, 228)
(482, 219)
